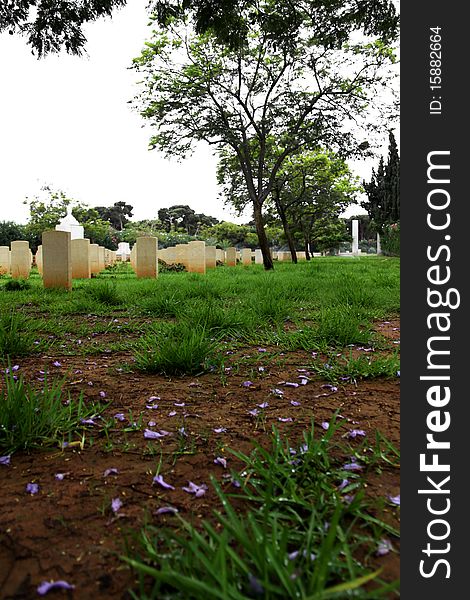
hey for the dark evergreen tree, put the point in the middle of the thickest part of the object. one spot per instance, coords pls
(383, 190)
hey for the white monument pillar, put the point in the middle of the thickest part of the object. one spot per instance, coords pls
(355, 236)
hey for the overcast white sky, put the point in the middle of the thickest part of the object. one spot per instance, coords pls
(65, 122)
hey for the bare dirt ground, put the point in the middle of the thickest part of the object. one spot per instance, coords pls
(68, 530)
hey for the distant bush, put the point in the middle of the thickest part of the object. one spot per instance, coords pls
(164, 267)
(390, 240)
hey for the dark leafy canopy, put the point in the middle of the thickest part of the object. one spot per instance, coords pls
(181, 217)
(383, 190)
(116, 214)
(53, 25)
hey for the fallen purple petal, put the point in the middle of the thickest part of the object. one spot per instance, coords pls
(166, 509)
(60, 476)
(277, 392)
(151, 423)
(291, 384)
(5, 460)
(116, 505)
(46, 586)
(330, 387)
(293, 555)
(87, 422)
(395, 499)
(353, 466)
(303, 381)
(343, 484)
(152, 398)
(398, 373)
(119, 417)
(154, 435)
(111, 471)
(221, 461)
(159, 479)
(295, 403)
(179, 403)
(285, 419)
(383, 547)
(348, 498)
(247, 383)
(325, 425)
(90, 383)
(263, 405)
(254, 412)
(102, 394)
(220, 430)
(182, 432)
(151, 406)
(355, 432)
(32, 488)
(172, 413)
(255, 585)
(197, 490)
(261, 349)
(56, 363)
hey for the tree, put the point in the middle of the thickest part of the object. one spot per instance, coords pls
(51, 26)
(116, 214)
(299, 94)
(383, 190)
(10, 232)
(182, 217)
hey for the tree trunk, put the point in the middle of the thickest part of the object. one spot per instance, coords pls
(287, 231)
(307, 252)
(262, 238)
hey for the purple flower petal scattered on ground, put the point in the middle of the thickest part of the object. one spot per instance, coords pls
(102, 394)
(90, 383)
(395, 499)
(346, 378)
(263, 405)
(152, 398)
(295, 403)
(221, 461)
(277, 392)
(154, 435)
(166, 509)
(348, 498)
(328, 386)
(325, 425)
(247, 383)
(110, 471)
(179, 403)
(5, 460)
(182, 431)
(254, 412)
(219, 430)
(285, 419)
(87, 422)
(197, 490)
(355, 432)
(291, 384)
(159, 479)
(56, 363)
(119, 417)
(343, 484)
(303, 448)
(172, 413)
(383, 547)
(236, 483)
(255, 585)
(293, 555)
(60, 476)
(151, 423)
(261, 369)
(398, 373)
(116, 505)
(32, 488)
(46, 586)
(303, 381)
(353, 466)
(151, 406)
(261, 349)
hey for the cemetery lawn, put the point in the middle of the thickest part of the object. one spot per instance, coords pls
(272, 398)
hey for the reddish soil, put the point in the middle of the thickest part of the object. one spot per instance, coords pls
(68, 530)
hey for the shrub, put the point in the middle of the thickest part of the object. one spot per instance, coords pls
(105, 292)
(14, 285)
(15, 335)
(390, 240)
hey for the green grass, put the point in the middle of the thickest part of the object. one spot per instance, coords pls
(16, 337)
(34, 418)
(299, 535)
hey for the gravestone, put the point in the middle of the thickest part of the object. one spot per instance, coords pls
(94, 259)
(182, 254)
(301, 255)
(258, 257)
(171, 255)
(211, 257)
(355, 236)
(246, 256)
(220, 255)
(101, 263)
(4, 260)
(69, 223)
(20, 260)
(146, 262)
(81, 266)
(57, 259)
(123, 252)
(39, 259)
(379, 246)
(231, 257)
(197, 257)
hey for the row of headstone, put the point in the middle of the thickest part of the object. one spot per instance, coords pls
(17, 261)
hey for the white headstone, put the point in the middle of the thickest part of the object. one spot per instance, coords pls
(355, 236)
